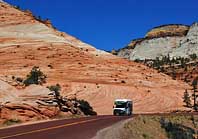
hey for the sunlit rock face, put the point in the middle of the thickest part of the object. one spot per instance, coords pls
(175, 40)
(80, 69)
(188, 45)
(167, 30)
(156, 47)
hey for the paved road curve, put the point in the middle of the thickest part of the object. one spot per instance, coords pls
(81, 128)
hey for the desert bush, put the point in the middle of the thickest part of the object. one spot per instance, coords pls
(13, 77)
(114, 52)
(11, 122)
(36, 76)
(17, 7)
(86, 108)
(193, 56)
(123, 81)
(72, 105)
(18, 79)
(50, 66)
(56, 89)
(138, 60)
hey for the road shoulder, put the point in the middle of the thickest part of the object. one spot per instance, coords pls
(113, 131)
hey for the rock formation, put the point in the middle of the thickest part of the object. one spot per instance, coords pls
(173, 40)
(80, 69)
(188, 45)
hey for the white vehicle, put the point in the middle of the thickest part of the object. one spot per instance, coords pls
(123, 107)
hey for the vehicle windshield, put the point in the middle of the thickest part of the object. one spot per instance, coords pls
(120, 104)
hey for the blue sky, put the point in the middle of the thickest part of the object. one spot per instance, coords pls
(111, 24)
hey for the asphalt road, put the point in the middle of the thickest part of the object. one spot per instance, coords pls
(80, 128)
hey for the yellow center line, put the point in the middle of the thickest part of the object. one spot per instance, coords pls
(49, 128)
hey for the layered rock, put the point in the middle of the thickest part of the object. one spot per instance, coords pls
(80, 69)
(22, 105)
(156, 47)
(168, 30)
(188, 45)
(28, 27)
(175, 40)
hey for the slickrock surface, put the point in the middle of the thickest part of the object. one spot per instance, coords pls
(79, 68)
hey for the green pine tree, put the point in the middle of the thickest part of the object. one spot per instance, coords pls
(195, 95)
(187, 99)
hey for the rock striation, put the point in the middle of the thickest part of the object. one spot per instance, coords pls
(188, 45)
(80, 69)
(173, 40)
(168, 30)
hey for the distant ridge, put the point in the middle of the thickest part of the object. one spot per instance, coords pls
(175, 40)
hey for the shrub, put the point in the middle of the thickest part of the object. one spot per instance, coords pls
(36, 76)
(73, 105)
(17, 7)
(18, 79)
(56, 93)
(193, 56)
(86, 108)
(13, 77)
(50, 66)
(137, 60)
(56, 89)
(12, 121)
(123, 81)
(187, 99)
(145, 136)
(114, 52)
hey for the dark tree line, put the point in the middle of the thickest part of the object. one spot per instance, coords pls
(188, 98)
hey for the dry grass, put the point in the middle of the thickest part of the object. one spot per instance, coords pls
(161, 127)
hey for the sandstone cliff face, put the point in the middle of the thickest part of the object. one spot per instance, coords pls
(156, 47)
(79, 68)
(188, 45)
(175, 40)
